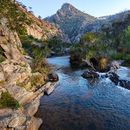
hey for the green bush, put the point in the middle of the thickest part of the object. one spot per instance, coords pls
(16, 18)
(58, 46)
(7, 101)
(2, 57)
(89, 38)
(77, 53)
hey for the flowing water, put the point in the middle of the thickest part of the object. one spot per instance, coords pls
(80, 104)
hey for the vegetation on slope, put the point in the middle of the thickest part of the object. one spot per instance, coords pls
(102, 45)
(15, 17)
(7, 101)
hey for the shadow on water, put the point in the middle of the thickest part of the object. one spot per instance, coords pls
(79, 104)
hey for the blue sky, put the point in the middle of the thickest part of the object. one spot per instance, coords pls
(96, 8)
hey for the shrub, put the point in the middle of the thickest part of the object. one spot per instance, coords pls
(102, 63)
(77, 53)
(58, 46)
(7, 101)
(2, 57)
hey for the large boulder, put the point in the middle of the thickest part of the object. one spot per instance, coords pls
(116, 79)
(114, 65)
(90, 74)
(17, 121)
(113, 77)
(34, 124)
(53, 77)
(49, 87)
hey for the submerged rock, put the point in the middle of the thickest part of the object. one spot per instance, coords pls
(90, 74)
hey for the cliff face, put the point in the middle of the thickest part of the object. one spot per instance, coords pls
(9, 41)
(16, 84)
(20, 87)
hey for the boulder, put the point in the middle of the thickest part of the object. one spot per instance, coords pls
(53, 77)
(18, 121)
(124, 83)
(113, 77)
(90, 74)
(116, 79)
(34, 124)
(32, 107)
(114, 65)
(49, 87)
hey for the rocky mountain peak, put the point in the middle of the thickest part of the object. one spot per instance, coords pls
(68, 9)
(70, 20)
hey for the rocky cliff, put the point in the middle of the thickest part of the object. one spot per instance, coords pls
(70, 20)
(16, 84)
(20, 87)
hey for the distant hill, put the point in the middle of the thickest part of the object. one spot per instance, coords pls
(70, 20)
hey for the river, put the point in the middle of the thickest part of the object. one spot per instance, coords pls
(80, 104)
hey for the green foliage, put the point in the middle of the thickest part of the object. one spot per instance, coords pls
(16, 18)
(38, 80)
(7, 101)
(22, 31)
(39, 63)
(89, 38)
(91, 46)
(26, 85)
(90, 54)
(38, 51)
(57, 46)
(122, 49)
(33, 46)
(77, 53)
(2, 57)
(128, 39)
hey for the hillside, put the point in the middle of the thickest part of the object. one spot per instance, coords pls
(70, 20)
(38, 28)
(107, 22)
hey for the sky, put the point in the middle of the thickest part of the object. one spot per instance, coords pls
(97, 8)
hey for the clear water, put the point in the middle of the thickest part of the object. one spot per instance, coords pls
(80, 104)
